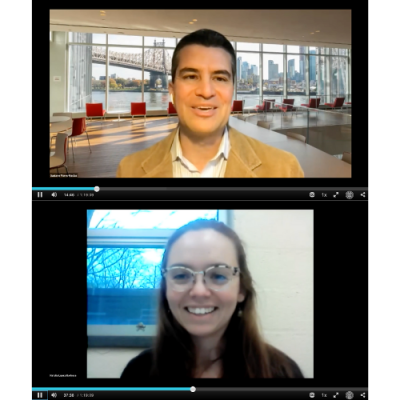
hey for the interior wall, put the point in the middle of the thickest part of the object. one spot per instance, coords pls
(279, 248)
(58, 67)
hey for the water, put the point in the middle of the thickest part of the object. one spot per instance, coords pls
(154, 100)
(159, 100)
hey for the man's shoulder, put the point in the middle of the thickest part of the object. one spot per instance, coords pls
(276, 161)
(131, 165)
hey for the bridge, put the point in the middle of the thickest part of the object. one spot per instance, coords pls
(157, 61)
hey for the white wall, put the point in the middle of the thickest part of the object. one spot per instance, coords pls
(58, 68)
(279, 247)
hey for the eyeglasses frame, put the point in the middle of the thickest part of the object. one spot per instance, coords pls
(235, 270)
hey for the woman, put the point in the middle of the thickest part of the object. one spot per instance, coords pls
(207, 325)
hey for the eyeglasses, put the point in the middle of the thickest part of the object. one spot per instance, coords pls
(216, 277)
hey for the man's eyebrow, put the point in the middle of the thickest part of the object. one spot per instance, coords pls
(218, 72)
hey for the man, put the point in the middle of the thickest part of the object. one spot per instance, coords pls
(204, 145)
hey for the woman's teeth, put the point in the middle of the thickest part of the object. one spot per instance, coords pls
(200, 311)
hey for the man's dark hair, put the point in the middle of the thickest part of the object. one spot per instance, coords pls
(207, 38)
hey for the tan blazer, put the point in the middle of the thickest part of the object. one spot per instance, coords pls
(248, 158)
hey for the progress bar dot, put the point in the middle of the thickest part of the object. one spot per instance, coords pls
(192, 389)
(96, 188)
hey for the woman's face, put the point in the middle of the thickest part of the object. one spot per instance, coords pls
(198, 250)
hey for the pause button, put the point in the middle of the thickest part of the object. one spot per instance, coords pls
(39, 395)
(39, 194)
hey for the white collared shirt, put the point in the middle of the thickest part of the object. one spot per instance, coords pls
(215, 168)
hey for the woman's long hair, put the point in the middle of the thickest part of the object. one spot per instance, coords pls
(245, 353)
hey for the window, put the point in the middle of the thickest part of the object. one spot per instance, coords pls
(131, 79)
(124, 252)
(157, 73)
(159, 42)
(248, 46)
(89, 38)
(296, 85)
(277, 48)
(87, 76)
(125, 40)
(248, 78)
(273, 76)
(125, 77)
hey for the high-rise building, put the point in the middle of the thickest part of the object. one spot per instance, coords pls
(273, 71)
(291, 69)
(313, 60)
(302, 62)
(113, 76)
(239, 68)
(245, 67)
(102, 78)
(254, 69)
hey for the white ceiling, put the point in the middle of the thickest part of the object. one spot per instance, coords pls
(259, 26)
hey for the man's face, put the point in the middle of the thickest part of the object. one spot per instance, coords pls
(203, 78)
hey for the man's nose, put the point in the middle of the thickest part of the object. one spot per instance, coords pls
(205, 88)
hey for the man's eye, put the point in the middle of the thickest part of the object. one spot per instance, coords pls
(190, 76)
(221, 79)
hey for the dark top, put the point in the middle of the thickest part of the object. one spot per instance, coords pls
(139, 367)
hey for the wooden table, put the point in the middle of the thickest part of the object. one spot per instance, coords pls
(315, 163)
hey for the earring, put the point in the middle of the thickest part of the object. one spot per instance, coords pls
(240, 312)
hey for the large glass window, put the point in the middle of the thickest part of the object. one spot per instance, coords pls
(87, 70)
(296, 84)
(125, 77)
(273, 76)
(275, 48)
(159, 42)
(89, 38)
(248, 46)
(130, 80)
(338, 76)
(248, 82)
(157, 74)
(125, 39)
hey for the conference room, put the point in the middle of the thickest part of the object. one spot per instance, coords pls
(111, 70)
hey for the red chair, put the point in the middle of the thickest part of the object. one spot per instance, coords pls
(338, 103)
(138, 109)
(171, 109)
(264, 108)
(287, 105)
(95, 110)
(78, 127)
(237, 106)
(313, 103)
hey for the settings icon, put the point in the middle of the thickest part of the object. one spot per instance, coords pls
(349, 195)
